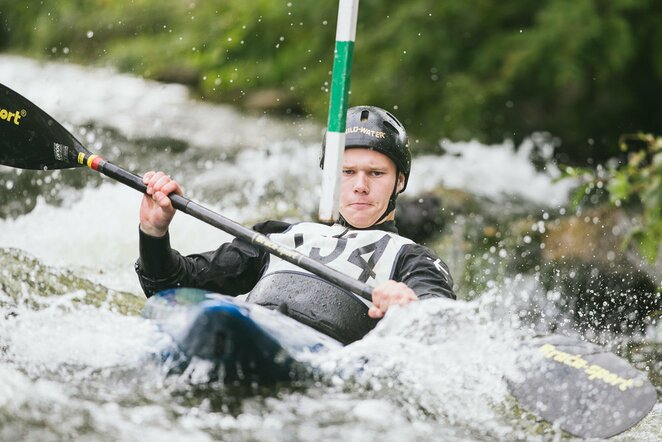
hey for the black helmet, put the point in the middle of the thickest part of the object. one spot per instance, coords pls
(375, 128)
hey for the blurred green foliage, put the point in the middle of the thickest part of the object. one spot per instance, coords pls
(585, 71)
(635, 183)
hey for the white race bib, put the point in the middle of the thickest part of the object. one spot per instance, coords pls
(366, 255)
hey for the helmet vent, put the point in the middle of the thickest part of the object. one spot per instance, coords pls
(364, 116)
(394, 119)
(390, 126)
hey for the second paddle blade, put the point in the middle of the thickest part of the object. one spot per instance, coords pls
(582, 388)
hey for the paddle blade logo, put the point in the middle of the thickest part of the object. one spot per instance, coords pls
(593, 371)
(12, 116)
(61, 152)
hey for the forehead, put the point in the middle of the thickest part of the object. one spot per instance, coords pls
(357, 155)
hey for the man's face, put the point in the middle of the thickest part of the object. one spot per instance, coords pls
(367, 182)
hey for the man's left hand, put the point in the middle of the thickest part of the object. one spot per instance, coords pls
(388, 294)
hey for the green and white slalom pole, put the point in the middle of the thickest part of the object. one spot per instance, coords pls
(335, 133)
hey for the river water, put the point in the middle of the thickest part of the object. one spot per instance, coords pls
(77, 362)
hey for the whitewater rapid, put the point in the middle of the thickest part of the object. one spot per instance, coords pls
(73, 369)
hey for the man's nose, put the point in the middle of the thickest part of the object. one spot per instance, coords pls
(361, 183)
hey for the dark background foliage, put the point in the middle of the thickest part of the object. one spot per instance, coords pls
(586, 71)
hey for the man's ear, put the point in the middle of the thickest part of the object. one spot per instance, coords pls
(401, 181)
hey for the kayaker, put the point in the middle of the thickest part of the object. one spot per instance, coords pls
(364, 244)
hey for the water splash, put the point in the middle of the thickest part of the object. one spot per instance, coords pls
(480, 170)
(70, 370)
(418, 360)
(139, 108)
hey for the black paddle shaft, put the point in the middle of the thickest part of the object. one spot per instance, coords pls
(217, 220)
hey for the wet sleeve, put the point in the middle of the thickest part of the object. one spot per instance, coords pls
(424, 272)
(232, 269)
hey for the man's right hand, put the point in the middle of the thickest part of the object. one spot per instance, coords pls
(156, 211)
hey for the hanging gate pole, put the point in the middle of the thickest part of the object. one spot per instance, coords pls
(335, 133)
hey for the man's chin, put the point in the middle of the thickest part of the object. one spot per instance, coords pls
(360, 222)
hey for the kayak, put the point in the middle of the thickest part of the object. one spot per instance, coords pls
(238, 342)
(584, 389)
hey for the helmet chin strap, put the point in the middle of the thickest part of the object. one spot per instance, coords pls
(389, 208)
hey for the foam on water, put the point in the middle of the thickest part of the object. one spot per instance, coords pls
(495, 171)
(45, 410)
(97, 235)
(137, 107)
(65, 368)
(432, 371)
(418, 357)
(81, 336)
(142, 109)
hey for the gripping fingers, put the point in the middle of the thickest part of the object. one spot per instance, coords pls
(148, 176)
(159, 182)
(375, 313)
(162, 196)
(388, 294)
(171, 186)
(156, 183)
(151, 179)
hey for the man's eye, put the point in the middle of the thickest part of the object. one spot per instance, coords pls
(377, 173)
(347, 171)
